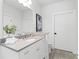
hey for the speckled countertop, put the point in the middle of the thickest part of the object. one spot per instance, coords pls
(20, 44)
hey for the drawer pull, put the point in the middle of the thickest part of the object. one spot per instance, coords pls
(26, 52)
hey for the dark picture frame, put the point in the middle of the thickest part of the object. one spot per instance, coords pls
(38, 23)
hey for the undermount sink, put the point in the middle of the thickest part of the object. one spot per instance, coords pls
(9, 40)
(23, 36)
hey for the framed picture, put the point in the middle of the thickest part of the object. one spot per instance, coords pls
(38, 23)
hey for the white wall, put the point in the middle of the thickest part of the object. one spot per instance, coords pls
(35, 6)
(28, 24)
(47, 12)
(29, 19)
(1, 5)
(11, 15)
(1, 1)
(36, 9)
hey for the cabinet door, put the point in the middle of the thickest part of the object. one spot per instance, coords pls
(35, 51)
(40, 49)
(6, 53)
(28, 53)
(46, 53)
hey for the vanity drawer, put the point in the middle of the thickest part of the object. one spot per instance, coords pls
(39, 48)
(27, 53)
(30, 52)
(31, 47)
(35, 51)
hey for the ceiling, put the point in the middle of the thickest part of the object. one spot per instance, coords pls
(41, 2)
(46, 2)
(16, 4)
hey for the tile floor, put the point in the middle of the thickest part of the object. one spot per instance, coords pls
(61, 54)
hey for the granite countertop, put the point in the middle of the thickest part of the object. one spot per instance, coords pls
(24, 43)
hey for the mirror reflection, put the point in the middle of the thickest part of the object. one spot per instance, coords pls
(17, 17)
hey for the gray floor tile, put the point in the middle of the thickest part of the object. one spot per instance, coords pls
(61, 54)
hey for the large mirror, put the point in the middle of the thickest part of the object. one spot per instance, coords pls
(18, 17)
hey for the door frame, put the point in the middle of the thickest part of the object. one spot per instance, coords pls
(53, 24)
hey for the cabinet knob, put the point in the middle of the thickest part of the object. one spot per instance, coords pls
(55, 33)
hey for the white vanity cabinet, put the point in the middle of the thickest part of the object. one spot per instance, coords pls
(28, 53)
(38, 50)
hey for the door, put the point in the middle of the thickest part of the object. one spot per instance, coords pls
(65, 31)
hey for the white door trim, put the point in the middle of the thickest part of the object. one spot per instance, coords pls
(62, 12)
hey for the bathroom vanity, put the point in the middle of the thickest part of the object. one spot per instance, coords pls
(24, 19)
(34, 47)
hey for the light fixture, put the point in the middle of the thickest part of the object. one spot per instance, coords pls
(25, 2)
(20, 1)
